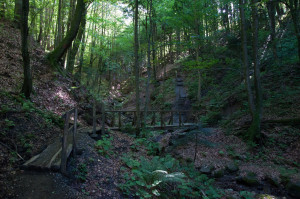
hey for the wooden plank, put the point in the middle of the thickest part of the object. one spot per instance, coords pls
(63, 166)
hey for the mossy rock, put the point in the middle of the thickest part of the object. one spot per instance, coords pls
(206, 169)
(294, 189)
(250, 179)
(273, 181)
(232, 167)
(219, 173)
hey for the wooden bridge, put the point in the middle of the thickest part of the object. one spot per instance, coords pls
(156, 119)
(55, 156)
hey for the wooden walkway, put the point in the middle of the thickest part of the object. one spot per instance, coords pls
(157, 119)
(55, 156)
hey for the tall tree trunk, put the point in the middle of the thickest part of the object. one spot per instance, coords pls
(18, 12)
(149, 63)
(271, 13)
(72, 52)
(154, 62)
(27, 84)
(294, 6)
(255, 129)
(136, 66)
(78, 74)
(59, 24)
(64, 45)
(41, 26)
(245, 57)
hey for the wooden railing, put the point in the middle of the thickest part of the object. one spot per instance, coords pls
(153, 113)
(68, 128)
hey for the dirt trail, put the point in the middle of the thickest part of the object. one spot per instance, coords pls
(42, 185)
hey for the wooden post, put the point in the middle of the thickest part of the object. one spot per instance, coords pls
(171, 119)
(113, 119)
(153, 119)
(161, 119)
(120, 122)
(63, 165)
(94, 116)
(75, 131)
(143, 120)
(179, 118)
(103, 118)
(134, 118)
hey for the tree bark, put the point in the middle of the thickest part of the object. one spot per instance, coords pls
(65, 44)
(72, 53)
(271, 13)
(255, 129)
(245, 56)
(149, 63)
(59, 24)
(18, 12)
(294, 6)
(136, 66)
(27, 84)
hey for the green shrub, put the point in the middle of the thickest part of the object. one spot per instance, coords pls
(128, 128)
(81, 172)
(104, 146)
(164, 177)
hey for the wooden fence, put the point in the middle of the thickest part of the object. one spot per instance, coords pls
(153, 113)
(68, 128)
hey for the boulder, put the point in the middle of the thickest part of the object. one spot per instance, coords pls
(232, 167)
(294, 189)
(206, 169)
(250, 179)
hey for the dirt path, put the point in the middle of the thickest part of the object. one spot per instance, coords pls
(42, 185)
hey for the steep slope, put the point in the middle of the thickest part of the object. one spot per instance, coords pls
(27, 127)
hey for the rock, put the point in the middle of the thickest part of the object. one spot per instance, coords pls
(250, 179)
(294, 189)
(206, 169)
(219, 173)
(94, 136)
(272, 180)
(232, 167)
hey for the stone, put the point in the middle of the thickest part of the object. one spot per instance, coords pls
(232, 167)
(250, 179)
(219, 173)
(294, 189)
(206, 169)
(272, 180)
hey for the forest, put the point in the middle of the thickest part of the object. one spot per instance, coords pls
(150, 99)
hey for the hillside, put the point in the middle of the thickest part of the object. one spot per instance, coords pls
(150, 99)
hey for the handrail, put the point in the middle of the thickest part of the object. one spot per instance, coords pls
(67, 130)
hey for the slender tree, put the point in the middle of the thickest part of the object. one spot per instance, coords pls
(18, 12)
(27, 84)
(72, 53)
(136, 66)
(55, 56)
